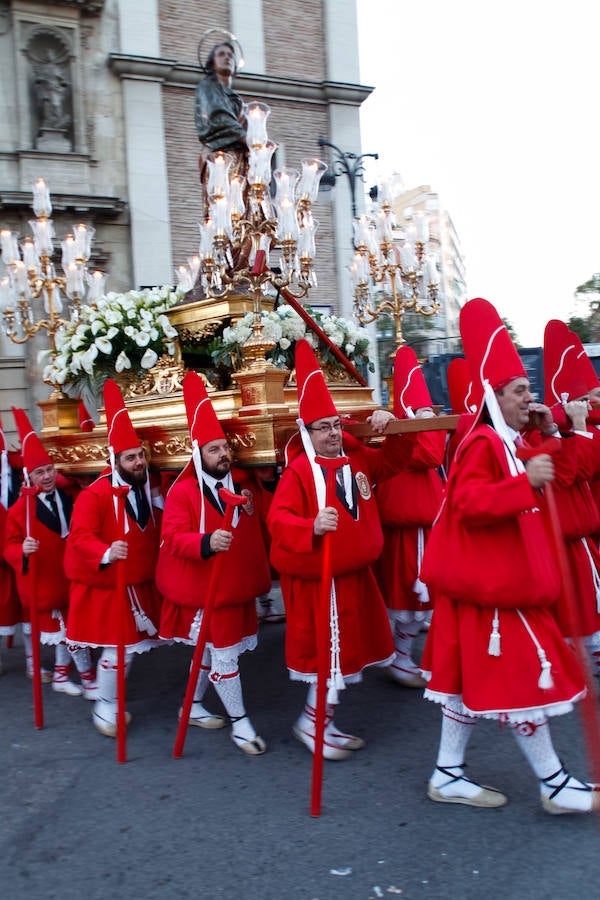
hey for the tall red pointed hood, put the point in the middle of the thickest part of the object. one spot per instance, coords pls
(410, 390)
(589, 373)
(86, 423)
(314, 399)
(202, 420)
(490, 353)
(121, 433)
(460, 387)
(33, 452)
(563, 371)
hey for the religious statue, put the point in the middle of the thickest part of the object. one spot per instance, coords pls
(219, 110)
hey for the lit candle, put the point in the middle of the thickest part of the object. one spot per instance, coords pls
(256, 130)
(21, 279)
(220, 215)
(43, 232)
(184, 279)
(306, 238)
(95, 285)
(83, 235)
(287, 223)
(74, 273)
(10, 250)
(312, 172)
(41, 199)
(218, 175)
(236, 196)
(30, 257)
(421, 228)
(407, 257)
(431, 272)
(207, 231)
(6, 300)
(69, 251)
(385, 222)
(194, 264)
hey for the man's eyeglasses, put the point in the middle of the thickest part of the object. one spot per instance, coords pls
(325, 429)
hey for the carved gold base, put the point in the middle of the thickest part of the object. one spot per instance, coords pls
(59, 414)
(262, 390)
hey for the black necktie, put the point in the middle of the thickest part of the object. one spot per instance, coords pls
(218, 487)
(51, 498)
(143, 509)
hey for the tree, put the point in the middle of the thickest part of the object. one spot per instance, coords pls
(512, 333)
(588, 327)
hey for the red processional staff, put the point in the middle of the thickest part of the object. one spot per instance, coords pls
(30, 570)
(120, 493)
(322, 619)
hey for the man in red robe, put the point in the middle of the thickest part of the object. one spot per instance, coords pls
(494, 649)
(408, 503)
(359, 631)
(94, 547)
(193, 539)
(46, 539)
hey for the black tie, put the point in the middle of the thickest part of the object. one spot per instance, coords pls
(218, 487)
(51, 498)
(143, 509)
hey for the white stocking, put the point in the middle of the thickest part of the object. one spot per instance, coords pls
(106, 675)
(536, 744)
(404, 633)
(226, 678)
(457, 728)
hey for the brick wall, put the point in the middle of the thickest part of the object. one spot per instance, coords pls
(294, 41)
(182, 22)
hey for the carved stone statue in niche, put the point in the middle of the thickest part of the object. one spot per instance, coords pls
(52, 101)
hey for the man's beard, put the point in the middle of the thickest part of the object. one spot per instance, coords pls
(133, 478)
(219, 469)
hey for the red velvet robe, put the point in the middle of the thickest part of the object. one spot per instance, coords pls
(50, 592)
(10, 608)
(183, 576)
(407, 503)
(296, 553)
(497, 515)
(97, 613)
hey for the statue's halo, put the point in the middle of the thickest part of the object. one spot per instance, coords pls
(214, 36)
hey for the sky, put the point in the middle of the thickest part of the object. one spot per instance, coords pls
(497, 107)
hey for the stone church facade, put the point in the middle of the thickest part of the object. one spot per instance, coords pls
(98, 99)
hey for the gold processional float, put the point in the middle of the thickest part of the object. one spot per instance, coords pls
(230, 278)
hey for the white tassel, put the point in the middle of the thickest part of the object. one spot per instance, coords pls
(195, 627)
(143, 623)
(545, 681)
(494, 644)
(332, 696)
(421, 591)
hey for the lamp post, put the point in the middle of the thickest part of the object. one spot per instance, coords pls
(348, 164)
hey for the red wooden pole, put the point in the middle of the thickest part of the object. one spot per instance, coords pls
(322, 621)
(589, 709)
(120, 492)
(260, 266)
(30, 492)
(231, 501)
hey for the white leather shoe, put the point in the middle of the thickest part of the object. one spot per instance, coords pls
(67, 687)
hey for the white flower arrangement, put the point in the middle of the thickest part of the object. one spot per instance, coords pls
(284, 326)
(118, 333)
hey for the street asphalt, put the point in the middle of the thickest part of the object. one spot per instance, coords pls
(76, 825)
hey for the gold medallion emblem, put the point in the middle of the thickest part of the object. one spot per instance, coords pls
(364, 488)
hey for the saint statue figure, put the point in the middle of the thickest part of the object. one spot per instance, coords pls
(219, 110)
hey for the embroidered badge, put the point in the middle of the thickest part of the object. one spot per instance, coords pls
(362, 483)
